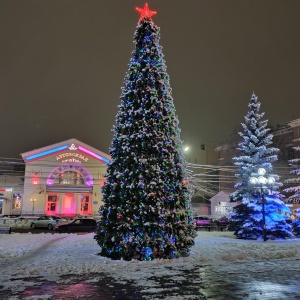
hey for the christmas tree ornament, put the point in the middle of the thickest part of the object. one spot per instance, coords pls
(146, 178)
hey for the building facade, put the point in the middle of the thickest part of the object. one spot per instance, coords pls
(221, 205)
(63, 179)
(202, 161)
(11, 194)
(285, 137)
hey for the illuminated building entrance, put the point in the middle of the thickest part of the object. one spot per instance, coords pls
(64, 179)
(69, 204)
(69, 190)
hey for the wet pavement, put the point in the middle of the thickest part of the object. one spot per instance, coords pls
(233, 280)
(104, 287)
(263, 282)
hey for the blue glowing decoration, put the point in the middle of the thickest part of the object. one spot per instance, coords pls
(172, 240)
(147, 251)
(45, 153)
(174, 253)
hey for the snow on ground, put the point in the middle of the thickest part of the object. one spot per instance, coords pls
(51, 256)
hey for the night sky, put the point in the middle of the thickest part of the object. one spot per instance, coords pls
(63, 63)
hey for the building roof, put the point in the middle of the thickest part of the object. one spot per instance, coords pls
(71, 144)
(221, 197)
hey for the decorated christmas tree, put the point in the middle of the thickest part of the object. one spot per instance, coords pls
(145, 211)
(256, 152)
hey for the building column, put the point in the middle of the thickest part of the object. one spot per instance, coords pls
(77, 203)
(59, 208)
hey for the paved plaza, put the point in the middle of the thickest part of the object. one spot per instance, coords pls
(220, 267)
(268, 282)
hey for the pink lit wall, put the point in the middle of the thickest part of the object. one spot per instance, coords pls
(69, 205)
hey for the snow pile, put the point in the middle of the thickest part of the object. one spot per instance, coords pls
(16, 222)
(220, 248)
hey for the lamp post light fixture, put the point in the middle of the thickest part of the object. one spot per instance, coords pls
(186, 149)
(32, 200)
(262, 182)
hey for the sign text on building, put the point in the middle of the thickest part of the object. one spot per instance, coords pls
(71, 157)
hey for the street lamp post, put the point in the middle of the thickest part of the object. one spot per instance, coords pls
(261, 181)
(32, 200)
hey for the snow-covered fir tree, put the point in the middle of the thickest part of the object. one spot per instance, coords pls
(293, 191)
(256, 152)
(146, 211)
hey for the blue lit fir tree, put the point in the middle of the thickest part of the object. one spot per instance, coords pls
(293, 191)
(257, 152)
(146, 213)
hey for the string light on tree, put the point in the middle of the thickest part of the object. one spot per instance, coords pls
(262, 182)
(146, 212)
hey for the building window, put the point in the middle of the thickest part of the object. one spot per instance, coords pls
(69, 178)
(291, 154)
(51, 206)
(84, 204)
(203, 147)
(1, 202)
(35, 178)
(17, 201)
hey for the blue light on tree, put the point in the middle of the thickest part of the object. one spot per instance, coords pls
(145, 196)
(257, 215)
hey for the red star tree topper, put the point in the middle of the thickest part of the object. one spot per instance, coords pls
(146, 12)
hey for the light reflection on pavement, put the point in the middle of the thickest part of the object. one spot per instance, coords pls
(253, 281)
(259, 280)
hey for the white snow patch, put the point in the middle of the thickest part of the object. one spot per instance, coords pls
(50, 256)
